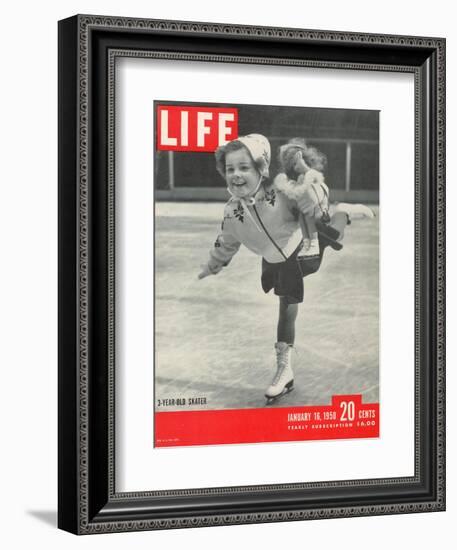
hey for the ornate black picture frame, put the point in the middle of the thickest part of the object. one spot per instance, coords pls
(88, 500)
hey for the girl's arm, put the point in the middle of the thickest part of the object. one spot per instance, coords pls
(225, 247)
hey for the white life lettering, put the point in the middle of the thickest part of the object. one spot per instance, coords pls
(202, 129)
(223, 130)
(184, 128)
(165, 139)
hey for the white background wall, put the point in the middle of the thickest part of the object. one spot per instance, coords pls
(28, 301)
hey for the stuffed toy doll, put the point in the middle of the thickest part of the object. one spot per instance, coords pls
(302, 180)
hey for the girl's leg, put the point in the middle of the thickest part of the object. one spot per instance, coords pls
(283, 380)
(338, 221)
(286, 322)
(344, 212)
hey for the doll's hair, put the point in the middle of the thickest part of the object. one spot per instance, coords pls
(313, 157)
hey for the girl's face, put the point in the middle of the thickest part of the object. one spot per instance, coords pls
(241, 173)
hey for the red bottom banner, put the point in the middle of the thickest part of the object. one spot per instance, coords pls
(345, 418)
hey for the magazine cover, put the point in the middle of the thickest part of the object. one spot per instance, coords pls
(266, 274)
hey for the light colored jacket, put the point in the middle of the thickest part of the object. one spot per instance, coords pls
(269, 227)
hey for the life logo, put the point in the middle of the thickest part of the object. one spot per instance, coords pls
(197, 129)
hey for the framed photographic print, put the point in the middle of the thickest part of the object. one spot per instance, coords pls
(251, 274)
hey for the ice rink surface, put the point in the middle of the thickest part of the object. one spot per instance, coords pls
(214, 338)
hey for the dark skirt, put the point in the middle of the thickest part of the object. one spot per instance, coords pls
(287, 277)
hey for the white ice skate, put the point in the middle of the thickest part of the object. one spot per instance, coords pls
(310, 249)
(283, 381)
(355, 211)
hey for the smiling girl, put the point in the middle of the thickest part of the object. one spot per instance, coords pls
(266, 221)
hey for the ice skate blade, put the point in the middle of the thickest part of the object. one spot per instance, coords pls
(289, 387)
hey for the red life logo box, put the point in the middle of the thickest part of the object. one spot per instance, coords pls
(197, 129)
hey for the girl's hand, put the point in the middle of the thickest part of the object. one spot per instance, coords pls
(204, 272)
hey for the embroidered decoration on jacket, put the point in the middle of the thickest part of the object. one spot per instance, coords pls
(239, 213)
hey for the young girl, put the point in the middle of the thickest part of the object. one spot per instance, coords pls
(266, 221)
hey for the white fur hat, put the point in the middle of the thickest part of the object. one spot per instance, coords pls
(259, 149)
